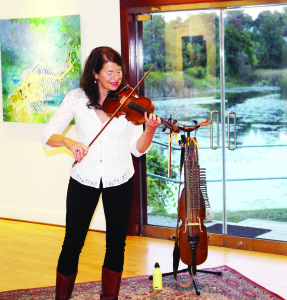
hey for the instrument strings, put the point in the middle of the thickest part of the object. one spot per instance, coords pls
(138, 107)
(141, 109)
(196, 188)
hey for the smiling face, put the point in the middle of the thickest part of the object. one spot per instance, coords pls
(109, 78)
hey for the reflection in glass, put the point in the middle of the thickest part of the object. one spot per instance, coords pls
(184, 84)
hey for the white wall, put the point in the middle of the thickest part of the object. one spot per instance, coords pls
(33, 181)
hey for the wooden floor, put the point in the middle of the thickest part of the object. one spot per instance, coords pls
(29, 254)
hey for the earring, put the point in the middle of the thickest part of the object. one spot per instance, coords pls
(95, 80)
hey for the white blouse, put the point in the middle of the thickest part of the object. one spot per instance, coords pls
(109, 157)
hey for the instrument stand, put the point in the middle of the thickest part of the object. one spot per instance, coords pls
(188, 130)
(189, 270)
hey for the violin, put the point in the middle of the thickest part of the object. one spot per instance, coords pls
(131, 106)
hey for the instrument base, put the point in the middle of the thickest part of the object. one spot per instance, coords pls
(189, 270)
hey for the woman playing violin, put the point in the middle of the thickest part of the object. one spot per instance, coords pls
(105, 168)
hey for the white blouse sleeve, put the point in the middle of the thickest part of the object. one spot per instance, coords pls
(135, 131)
(61, 119)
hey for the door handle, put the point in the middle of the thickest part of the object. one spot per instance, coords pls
(214, 112)
(228, 129)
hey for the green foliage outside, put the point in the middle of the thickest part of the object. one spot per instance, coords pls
(254, 49)
(158, 191)
(276, 214)
(159, 84)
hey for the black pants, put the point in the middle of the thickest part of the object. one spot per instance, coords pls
(81, 203)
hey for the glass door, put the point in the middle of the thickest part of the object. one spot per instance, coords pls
(228, 66)
(184, 85)
(255, 107)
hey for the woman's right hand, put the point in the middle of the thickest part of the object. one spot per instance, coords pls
(78, 149)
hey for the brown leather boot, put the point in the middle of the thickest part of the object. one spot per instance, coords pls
(111, 281)
(64, 286)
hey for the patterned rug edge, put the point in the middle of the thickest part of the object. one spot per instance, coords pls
(144, 276)
(261, 286)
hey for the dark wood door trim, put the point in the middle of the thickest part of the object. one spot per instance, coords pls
(259, 245)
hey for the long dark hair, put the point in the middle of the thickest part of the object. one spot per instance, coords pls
(98, 57)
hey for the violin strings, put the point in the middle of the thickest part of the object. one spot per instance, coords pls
(139, 108)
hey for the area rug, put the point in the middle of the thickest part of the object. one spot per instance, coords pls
(229, 285)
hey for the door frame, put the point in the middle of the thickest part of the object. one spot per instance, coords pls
(130, 29)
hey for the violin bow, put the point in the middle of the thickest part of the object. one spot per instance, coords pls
(113, 115)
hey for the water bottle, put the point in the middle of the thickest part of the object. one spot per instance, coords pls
(157, 278)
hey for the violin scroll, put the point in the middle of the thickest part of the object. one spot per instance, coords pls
(174, 128)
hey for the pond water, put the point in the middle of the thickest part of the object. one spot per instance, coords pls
(256, 171)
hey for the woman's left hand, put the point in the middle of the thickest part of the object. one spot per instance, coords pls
(152, 121)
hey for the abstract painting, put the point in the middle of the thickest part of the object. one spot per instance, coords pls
(40, 63)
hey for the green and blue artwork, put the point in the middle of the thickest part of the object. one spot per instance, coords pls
(40, 63)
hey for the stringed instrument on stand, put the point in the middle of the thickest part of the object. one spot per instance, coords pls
(192, 208)
(191, 240)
